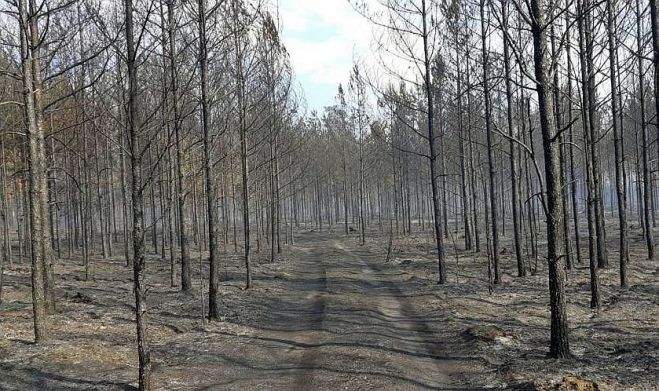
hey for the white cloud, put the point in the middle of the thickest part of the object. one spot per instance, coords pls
(323, 39)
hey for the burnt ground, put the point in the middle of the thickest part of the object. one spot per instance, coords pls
(330, 314)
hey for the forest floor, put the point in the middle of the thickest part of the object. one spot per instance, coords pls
(330, 314)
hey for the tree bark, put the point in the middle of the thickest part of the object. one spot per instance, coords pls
(521, 269)
(618, 143)
(35, 172)
(489, 132)
(137, 195)
(559, 346)
(647, 180)
(211, 209)
(432, 144)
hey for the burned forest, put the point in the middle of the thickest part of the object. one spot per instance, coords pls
(335, 195)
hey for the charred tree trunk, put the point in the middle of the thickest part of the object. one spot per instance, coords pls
(521, 269)
(489, 132)
(647, 179)
(211, 209)
(432, 144)
(589, 144)
(137, 195)
(618, 142)
(559, 346)
(36, 171)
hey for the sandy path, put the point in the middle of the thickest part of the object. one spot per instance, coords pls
(343, 321)
(330, 316)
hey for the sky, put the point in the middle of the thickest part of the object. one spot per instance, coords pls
(323, 38)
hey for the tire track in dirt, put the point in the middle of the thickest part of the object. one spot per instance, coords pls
(358, 311)
(310, 357)
(396, 306)
(337, 319)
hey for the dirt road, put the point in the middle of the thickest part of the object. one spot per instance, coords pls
(342, 320)
(330, 315)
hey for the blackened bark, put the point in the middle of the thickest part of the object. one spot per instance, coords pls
(602, 256)
(587, 123)
(463, 163)
(521, 269)
(432, 144)
(39, 306)
(186, 265)
(559, 346)
(654, 17)
(617, 140)
(573, 178)
(211, 209)
(490, 147)
(244, 163)
(647, 180)
(137, 195)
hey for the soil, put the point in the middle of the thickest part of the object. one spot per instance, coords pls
(330, 314)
